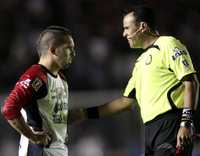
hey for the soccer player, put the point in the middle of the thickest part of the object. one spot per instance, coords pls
(164, 84)
(37, 107)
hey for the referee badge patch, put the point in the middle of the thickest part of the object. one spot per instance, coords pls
(36, 84)
(148, 60)
(178, 52)
(185, 63)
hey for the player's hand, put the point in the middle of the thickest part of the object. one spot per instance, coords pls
(41, 137)
(184, 137)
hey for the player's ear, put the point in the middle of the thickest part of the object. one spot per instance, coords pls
(52, 50)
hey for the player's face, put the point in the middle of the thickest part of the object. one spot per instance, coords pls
(132, 30)
(65, 53)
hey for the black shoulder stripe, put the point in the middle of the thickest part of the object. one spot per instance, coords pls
(156, 46)
(42, 91)
(172, 104)
(132, 94)
(152, 46)
(170, 69)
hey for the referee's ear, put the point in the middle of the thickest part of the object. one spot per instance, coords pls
(144, 27)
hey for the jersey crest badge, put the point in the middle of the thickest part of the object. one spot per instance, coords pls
(148, 60)
(36, 84)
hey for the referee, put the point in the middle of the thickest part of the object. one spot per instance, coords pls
(164, 84)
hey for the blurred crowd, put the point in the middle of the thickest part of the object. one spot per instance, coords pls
(103, 60)
(95, 26)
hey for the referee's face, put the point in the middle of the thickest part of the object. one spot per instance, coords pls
(132, 30)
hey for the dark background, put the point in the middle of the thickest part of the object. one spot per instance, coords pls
(102, 66)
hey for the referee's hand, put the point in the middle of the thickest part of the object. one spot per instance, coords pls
(41, 137)
(184, 137)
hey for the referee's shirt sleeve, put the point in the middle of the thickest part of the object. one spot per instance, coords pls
(177, 58)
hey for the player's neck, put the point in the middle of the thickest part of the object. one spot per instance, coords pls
(54, 69)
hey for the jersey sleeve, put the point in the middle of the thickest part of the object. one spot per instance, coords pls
(30, 87)
(177, 58)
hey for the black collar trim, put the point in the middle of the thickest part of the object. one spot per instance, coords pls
(48, 71)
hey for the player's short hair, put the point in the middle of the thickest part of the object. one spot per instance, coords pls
(142, 14)
(53, 35)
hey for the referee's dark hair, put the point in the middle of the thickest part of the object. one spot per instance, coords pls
(142, 14)
(53, 35)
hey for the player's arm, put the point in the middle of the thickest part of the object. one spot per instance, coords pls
(11, 111)
(35, 137)
(20, 97)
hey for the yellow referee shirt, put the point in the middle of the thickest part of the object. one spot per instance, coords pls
(156, 77)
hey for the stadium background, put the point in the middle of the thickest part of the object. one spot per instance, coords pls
(101, 68)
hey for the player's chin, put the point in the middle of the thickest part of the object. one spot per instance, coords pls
(65, 66)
